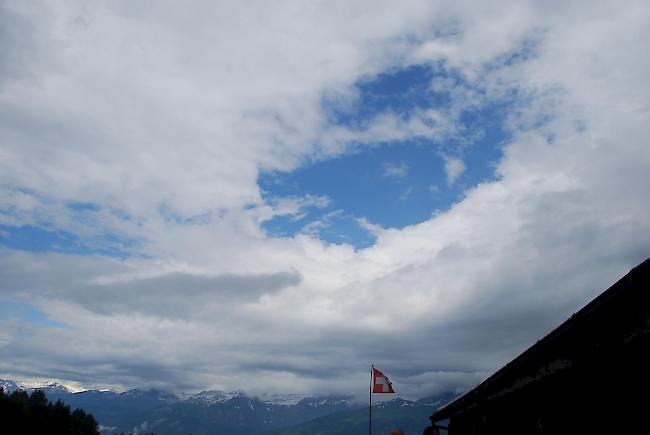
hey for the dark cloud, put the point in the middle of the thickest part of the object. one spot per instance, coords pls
(175, 294)
(182, 294)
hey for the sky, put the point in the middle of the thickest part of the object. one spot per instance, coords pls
(273, 196)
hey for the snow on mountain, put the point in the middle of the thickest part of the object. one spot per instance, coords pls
(9, 386)
(284, 399)
(396, 402)
(213, 397)
(50, 387)
(153, 394)
(328, 401)
(164, 412)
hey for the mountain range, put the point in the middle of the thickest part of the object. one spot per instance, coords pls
(215, 412)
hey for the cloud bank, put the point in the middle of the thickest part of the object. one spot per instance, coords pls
(146, 127)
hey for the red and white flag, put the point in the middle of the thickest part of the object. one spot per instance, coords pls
(380, 382)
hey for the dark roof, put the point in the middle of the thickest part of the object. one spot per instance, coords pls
(629, 293)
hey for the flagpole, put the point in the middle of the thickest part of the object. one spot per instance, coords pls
(372, 369)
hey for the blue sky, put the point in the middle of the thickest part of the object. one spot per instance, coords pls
(14, 310)
(389, 183)
(397, 183)
(38, 239)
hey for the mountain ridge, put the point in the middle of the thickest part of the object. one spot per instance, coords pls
(212, 412)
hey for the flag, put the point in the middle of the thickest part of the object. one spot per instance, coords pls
(381, 383)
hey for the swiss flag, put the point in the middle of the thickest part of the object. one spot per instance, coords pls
(381, 383)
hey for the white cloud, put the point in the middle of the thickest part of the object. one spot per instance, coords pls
(294, 206)
(395, 170)
(314, 228)
(372, 228)
(454, 167)
(164, 115)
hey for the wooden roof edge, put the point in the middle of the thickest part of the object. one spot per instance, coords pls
(466, 400)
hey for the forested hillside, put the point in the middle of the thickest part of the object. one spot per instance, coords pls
(23, 413)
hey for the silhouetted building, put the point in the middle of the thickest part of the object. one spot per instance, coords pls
(588, 376)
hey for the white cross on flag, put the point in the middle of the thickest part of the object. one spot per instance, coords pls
(381, 383)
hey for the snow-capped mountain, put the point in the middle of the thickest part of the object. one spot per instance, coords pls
(153, 394)
(213, 397)
(284, 399)
(207, 412)
(9, 386)
(159, 411)
(411, 417)
(54, 388)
